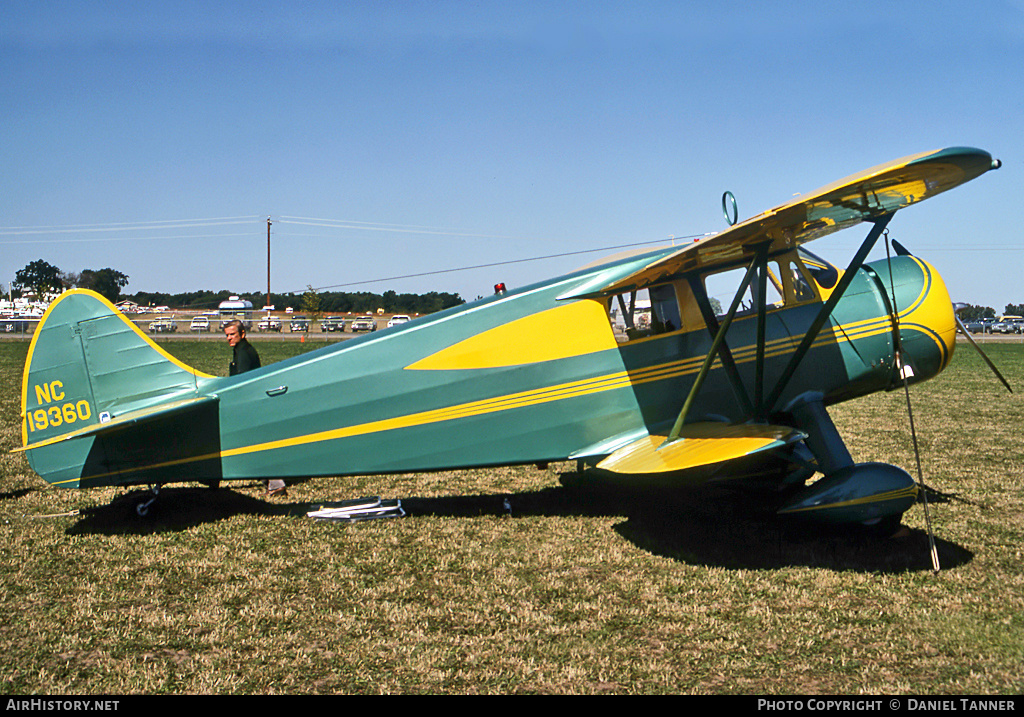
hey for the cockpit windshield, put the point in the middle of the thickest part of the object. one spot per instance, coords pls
(824, 273)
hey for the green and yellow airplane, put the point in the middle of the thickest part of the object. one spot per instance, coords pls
(624, 366)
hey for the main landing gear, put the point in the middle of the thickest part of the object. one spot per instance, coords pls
(871, 494)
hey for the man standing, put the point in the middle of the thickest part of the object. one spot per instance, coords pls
(245, 359)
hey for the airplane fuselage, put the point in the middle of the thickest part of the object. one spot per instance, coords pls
(522, 377)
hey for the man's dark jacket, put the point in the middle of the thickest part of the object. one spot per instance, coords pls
(245, 358)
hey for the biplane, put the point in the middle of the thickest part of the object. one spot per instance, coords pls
(626, 366)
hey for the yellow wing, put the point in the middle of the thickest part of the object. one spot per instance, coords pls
(861, 197)
(699, 444)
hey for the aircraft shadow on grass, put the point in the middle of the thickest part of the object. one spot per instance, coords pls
(709, 525)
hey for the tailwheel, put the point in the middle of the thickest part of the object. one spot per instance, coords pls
(143, 506)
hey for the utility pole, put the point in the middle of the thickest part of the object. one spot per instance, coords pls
(268, 262)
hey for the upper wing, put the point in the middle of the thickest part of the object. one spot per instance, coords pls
(870, 194)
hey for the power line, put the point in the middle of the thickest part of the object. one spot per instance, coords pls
(127, 226)
(120, 239)
(384, 227)
(507, 263)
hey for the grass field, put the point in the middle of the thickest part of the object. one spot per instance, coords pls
(573, 591)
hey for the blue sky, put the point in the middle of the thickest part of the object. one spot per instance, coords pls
(390, 139)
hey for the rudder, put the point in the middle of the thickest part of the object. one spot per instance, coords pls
(87, 363)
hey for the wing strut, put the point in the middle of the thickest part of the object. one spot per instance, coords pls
(717, 345)
(762, 299)
(725, 355)
(826, 310)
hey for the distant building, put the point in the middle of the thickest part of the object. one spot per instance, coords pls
(26, 307)
(129, 307)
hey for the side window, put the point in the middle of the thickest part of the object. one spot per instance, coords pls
(721, 289)
(664, 309)
(788, 282)
(799, 284)
(648, 312)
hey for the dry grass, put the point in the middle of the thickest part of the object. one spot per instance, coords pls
(575, 591)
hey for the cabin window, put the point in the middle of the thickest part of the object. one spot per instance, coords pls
(721, 289)
(788, 282)
(798, 285)
(802, 290)
(664, 308)
(647, 312)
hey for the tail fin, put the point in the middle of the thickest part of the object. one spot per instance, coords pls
(86, 365)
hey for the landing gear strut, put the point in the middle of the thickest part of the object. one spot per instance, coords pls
(867, 493)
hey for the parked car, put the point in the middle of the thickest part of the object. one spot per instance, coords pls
(1005, 327)
(299, 323)
(975, 327)
(11, 325)
(163, 325)
(398, 319)
(333, 323)
(246, 322)
(364, 323)
(269, 323)
(200, 323)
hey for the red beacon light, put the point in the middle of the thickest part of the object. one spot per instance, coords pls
(499, 288)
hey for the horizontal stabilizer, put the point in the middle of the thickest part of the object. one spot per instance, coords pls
(171, 409)
(699, 444)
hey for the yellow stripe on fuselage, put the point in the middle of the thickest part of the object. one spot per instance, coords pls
(573, 329)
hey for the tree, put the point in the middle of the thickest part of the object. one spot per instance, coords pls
(70, 279)
(311, 303)
(40, 277)
(106, 282)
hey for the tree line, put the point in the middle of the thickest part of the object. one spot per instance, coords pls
(970, 312)
(42, 278)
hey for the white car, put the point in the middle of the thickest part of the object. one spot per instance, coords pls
(398, 319)
(200, 323)
(364, 323)
(269, 323)
(163, 324)
(332, 323)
